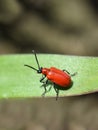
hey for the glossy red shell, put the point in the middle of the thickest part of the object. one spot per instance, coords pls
(57, 76)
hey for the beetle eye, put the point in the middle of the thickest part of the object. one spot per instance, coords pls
(40, 70)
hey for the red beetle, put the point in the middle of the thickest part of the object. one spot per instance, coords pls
(60, 79)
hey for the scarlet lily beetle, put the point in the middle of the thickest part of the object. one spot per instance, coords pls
(60, 79)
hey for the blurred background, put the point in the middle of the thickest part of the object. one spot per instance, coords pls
(49, 26)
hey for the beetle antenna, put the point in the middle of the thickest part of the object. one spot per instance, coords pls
(31, 67)
(36, 59)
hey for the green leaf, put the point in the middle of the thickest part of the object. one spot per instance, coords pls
(16, 80)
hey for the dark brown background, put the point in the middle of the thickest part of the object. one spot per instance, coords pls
(49, 26)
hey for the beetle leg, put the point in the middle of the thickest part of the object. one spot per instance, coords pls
(45, 90)
(66, 71)
(74, 74)
(42, 79)
(45, 85)
(49, 88)
(69, 73)
(57, 92)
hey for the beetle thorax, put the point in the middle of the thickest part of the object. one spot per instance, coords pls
(45, 71)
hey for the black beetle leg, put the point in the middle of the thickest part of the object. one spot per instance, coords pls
(69, 73)
(43, 94)
(66, 71)
(74, 74)
(49, 88)
(57, 92)
(44, 85)
(42, 79)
